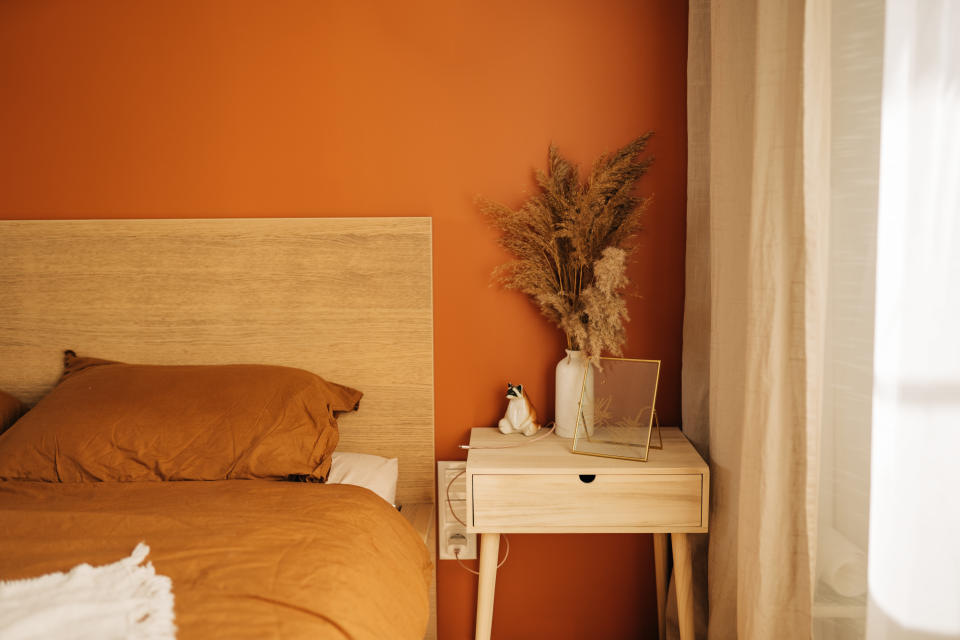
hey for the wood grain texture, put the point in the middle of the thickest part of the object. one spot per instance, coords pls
(487, 584)
(683, 575)
(349, 299)
(660, 545)
(564, 503)
(515, 485)
(534, 486)
(519, 485)
(552, 454)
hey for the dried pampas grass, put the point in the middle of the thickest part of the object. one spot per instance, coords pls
(571, 243)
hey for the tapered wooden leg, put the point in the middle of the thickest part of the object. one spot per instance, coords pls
(660, 565)
(683, 575)
(489, 554)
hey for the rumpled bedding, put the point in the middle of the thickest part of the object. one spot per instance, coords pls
(248, 558)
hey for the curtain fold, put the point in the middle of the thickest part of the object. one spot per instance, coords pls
(757, 234)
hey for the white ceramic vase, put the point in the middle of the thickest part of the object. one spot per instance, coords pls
(569, 383)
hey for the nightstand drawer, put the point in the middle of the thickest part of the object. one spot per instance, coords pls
(519, 502)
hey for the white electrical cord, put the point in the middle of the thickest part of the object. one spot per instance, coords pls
(456, 552)
(506, 554)
(450, 506)
(523, 443)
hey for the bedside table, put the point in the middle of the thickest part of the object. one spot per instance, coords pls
(541, 487)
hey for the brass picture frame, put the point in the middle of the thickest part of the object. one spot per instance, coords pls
(616, 412)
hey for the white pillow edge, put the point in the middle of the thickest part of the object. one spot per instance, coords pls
(376, 473)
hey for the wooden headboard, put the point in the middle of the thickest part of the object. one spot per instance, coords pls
(349, 299)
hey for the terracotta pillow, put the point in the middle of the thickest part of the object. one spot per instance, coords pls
(10, 410)
(110, 421)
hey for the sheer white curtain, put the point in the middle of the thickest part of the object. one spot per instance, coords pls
(783, 334)
(891, 408)
(914, 564)
(856, 63)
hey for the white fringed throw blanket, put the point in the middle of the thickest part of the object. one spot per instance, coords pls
(126, 599)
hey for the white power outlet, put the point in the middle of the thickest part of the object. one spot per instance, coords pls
(451, 534)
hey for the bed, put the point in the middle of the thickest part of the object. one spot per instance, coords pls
(346, 299)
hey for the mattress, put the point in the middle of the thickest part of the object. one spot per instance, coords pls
(248, 558)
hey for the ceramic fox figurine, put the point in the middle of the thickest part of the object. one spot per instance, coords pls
(521, 415)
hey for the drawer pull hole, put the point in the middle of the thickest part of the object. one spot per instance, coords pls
(587, 479)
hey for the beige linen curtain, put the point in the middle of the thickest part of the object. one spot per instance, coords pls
(757, 227)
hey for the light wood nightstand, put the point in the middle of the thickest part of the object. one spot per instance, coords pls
(541, 487)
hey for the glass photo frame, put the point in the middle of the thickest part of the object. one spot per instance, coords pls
(616, 414)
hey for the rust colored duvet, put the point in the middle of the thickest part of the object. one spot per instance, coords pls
(248, 558)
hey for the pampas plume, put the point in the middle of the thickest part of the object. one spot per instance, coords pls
(570, 243)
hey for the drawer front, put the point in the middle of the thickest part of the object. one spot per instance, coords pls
(554, 502)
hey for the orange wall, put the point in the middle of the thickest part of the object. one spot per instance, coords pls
(338, 108)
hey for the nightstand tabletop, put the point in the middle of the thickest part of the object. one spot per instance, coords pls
(552, 455)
